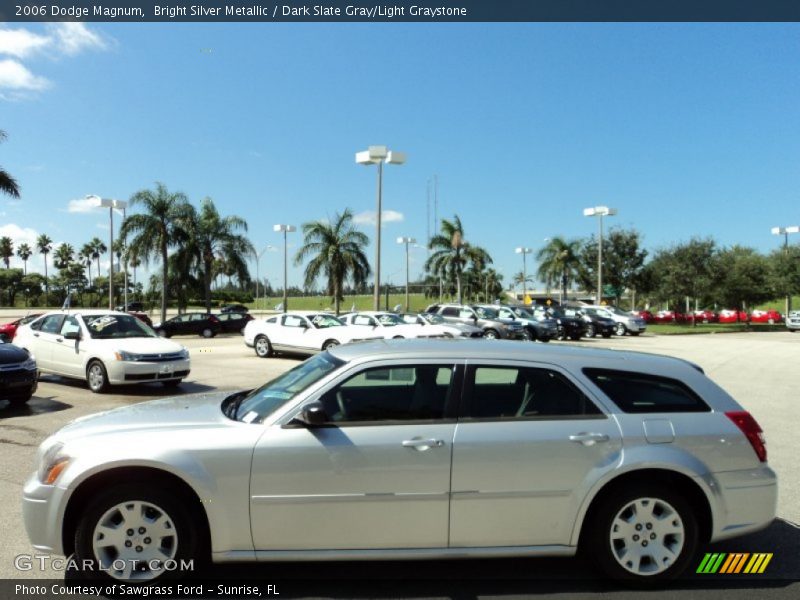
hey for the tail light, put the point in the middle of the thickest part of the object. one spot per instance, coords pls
(750, 428)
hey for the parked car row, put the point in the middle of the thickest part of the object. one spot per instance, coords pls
(709, 316)
(205, 324)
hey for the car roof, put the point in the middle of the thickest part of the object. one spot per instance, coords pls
(86, 311)
(490, 350)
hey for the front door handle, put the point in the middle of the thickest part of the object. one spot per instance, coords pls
(422, 445)
(588, 439)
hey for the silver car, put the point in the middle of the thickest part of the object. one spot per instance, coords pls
(405, 449)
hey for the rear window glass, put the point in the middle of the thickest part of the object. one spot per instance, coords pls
(643, 393)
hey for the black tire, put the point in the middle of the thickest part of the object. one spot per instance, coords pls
(182, 542)
(591, 330)
(398, 337)
(491, 334)
(171, 383)
(562, 334)
(620, 329)
(96, 377)
(679, 517)
(262, 346)
(208, 333)
(528, 336)
(329, 344)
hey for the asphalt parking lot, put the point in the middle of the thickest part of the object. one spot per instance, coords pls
(758, 369)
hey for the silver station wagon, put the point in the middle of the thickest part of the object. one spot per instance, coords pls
(413, 449)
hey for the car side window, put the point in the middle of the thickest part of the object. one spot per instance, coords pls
(465, 313)
(407, 393)
(644, 393)
(51, 324)
(449, 311)
(70, 325)
(293, 321)
(199, 317)
(524, 393)
(362, 320)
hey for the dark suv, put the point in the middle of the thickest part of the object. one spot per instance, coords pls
(572, 328)
(538, 327)
(487, 318)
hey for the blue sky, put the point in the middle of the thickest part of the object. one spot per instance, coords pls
(687, 129)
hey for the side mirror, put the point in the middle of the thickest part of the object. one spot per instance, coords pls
(313, 415)
(72, 335)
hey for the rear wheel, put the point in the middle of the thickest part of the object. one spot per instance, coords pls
(591, 330)
(491, 334)
(207, 332)
(645, 534)
(528, 336)
(130, 532)
(263, 347)
(620, 329)
(329, 344)
(96, 377)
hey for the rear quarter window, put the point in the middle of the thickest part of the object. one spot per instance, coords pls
(644, 393)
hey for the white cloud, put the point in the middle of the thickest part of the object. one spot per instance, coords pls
(21, 42)
(19, 235)
(368, 217)
(82, 205)
(16, 78)
(73, 38)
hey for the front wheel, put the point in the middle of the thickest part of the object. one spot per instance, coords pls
(528, 336)
(133, 534)
(591, 330)
(646, 534)
(491, 334)
(263, 347)
(96, 377)
(620, 329)
(329, 344)
(207, 332)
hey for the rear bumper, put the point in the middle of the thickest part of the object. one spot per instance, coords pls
(747, 501)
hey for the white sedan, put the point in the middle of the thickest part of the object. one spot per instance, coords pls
(301, 332)
(103, 347)
(390, 326)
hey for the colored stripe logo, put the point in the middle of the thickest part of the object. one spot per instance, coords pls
(734, 562)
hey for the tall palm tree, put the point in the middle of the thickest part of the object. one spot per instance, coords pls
(24, 252)
(559, 263)
(336, 250)
(521, 279)
(63, 256)
(451, 254)
(8, 185)
(6, 250)
(98, 249)
(153, 232)
(133, 262)
(211, 236)
(44, 244)
(85, 257)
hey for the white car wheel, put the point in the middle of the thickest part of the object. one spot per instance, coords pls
(96, 377)
(263, 347)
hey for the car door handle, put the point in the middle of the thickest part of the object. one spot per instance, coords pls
(421, 445)
(59, 339)
(588, 439)
(35, 335)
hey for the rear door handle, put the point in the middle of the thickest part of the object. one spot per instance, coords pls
(422, 445)
(588, 439)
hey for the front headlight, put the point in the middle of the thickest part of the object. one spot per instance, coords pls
(122, 355)
(30, 363)
(52, 464)
(184, 353)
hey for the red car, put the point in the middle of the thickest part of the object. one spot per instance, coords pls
(8, 330)
(669, 316)
(766, 316)
(705, 316)
(645, 314)
(729, 316)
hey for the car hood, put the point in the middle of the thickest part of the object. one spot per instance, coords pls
(193, 411)
(150, 345)
(9, 354)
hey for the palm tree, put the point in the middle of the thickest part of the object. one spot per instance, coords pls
(85, 257)
(44, 244)
(559, 263)
(153, 232)
(337, 251)
(212, 237)
(6, 250)
(452, 254)
(134, 263)
(98, 249)
(521, 279)
(8, 184)
(24, 252)
(63, 256)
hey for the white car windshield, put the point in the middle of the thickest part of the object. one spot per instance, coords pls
(324, 321)
(111, 327)
(433, 319)
(390, 320)
(268, 398)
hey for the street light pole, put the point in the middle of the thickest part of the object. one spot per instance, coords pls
(599, 211)
(125, 266)
(377, 155)
(785, 231)
(524, 251)
(406, 241)
(285, 229)
(111, 205)
(258, 276)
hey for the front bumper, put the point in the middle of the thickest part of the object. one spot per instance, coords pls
(18, 381)
(126, 372)
(42, 514)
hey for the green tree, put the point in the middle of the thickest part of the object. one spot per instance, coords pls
(44, 244)
(85, 257)
(452, 253)
(6, 250)
(521, 279)
(784, 273)
(686, 270)
(24, 252)
(559, 264)
(156, 230)
(9, 282)
(63, 256)
(623, 259)
(336, 250)
(744, 278)
(8, 184)
(98, 249)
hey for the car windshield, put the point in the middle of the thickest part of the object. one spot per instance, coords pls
(324, 321)
(109, 327)
(390, 320)
(486, 313)
(433, 319)
(554, 311)
(522, 312)
(264, 401)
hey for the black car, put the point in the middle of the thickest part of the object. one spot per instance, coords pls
(18, 374)
(196, 323)
(571, 328)
(233, 308)
(233, 322)
(594, 324)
